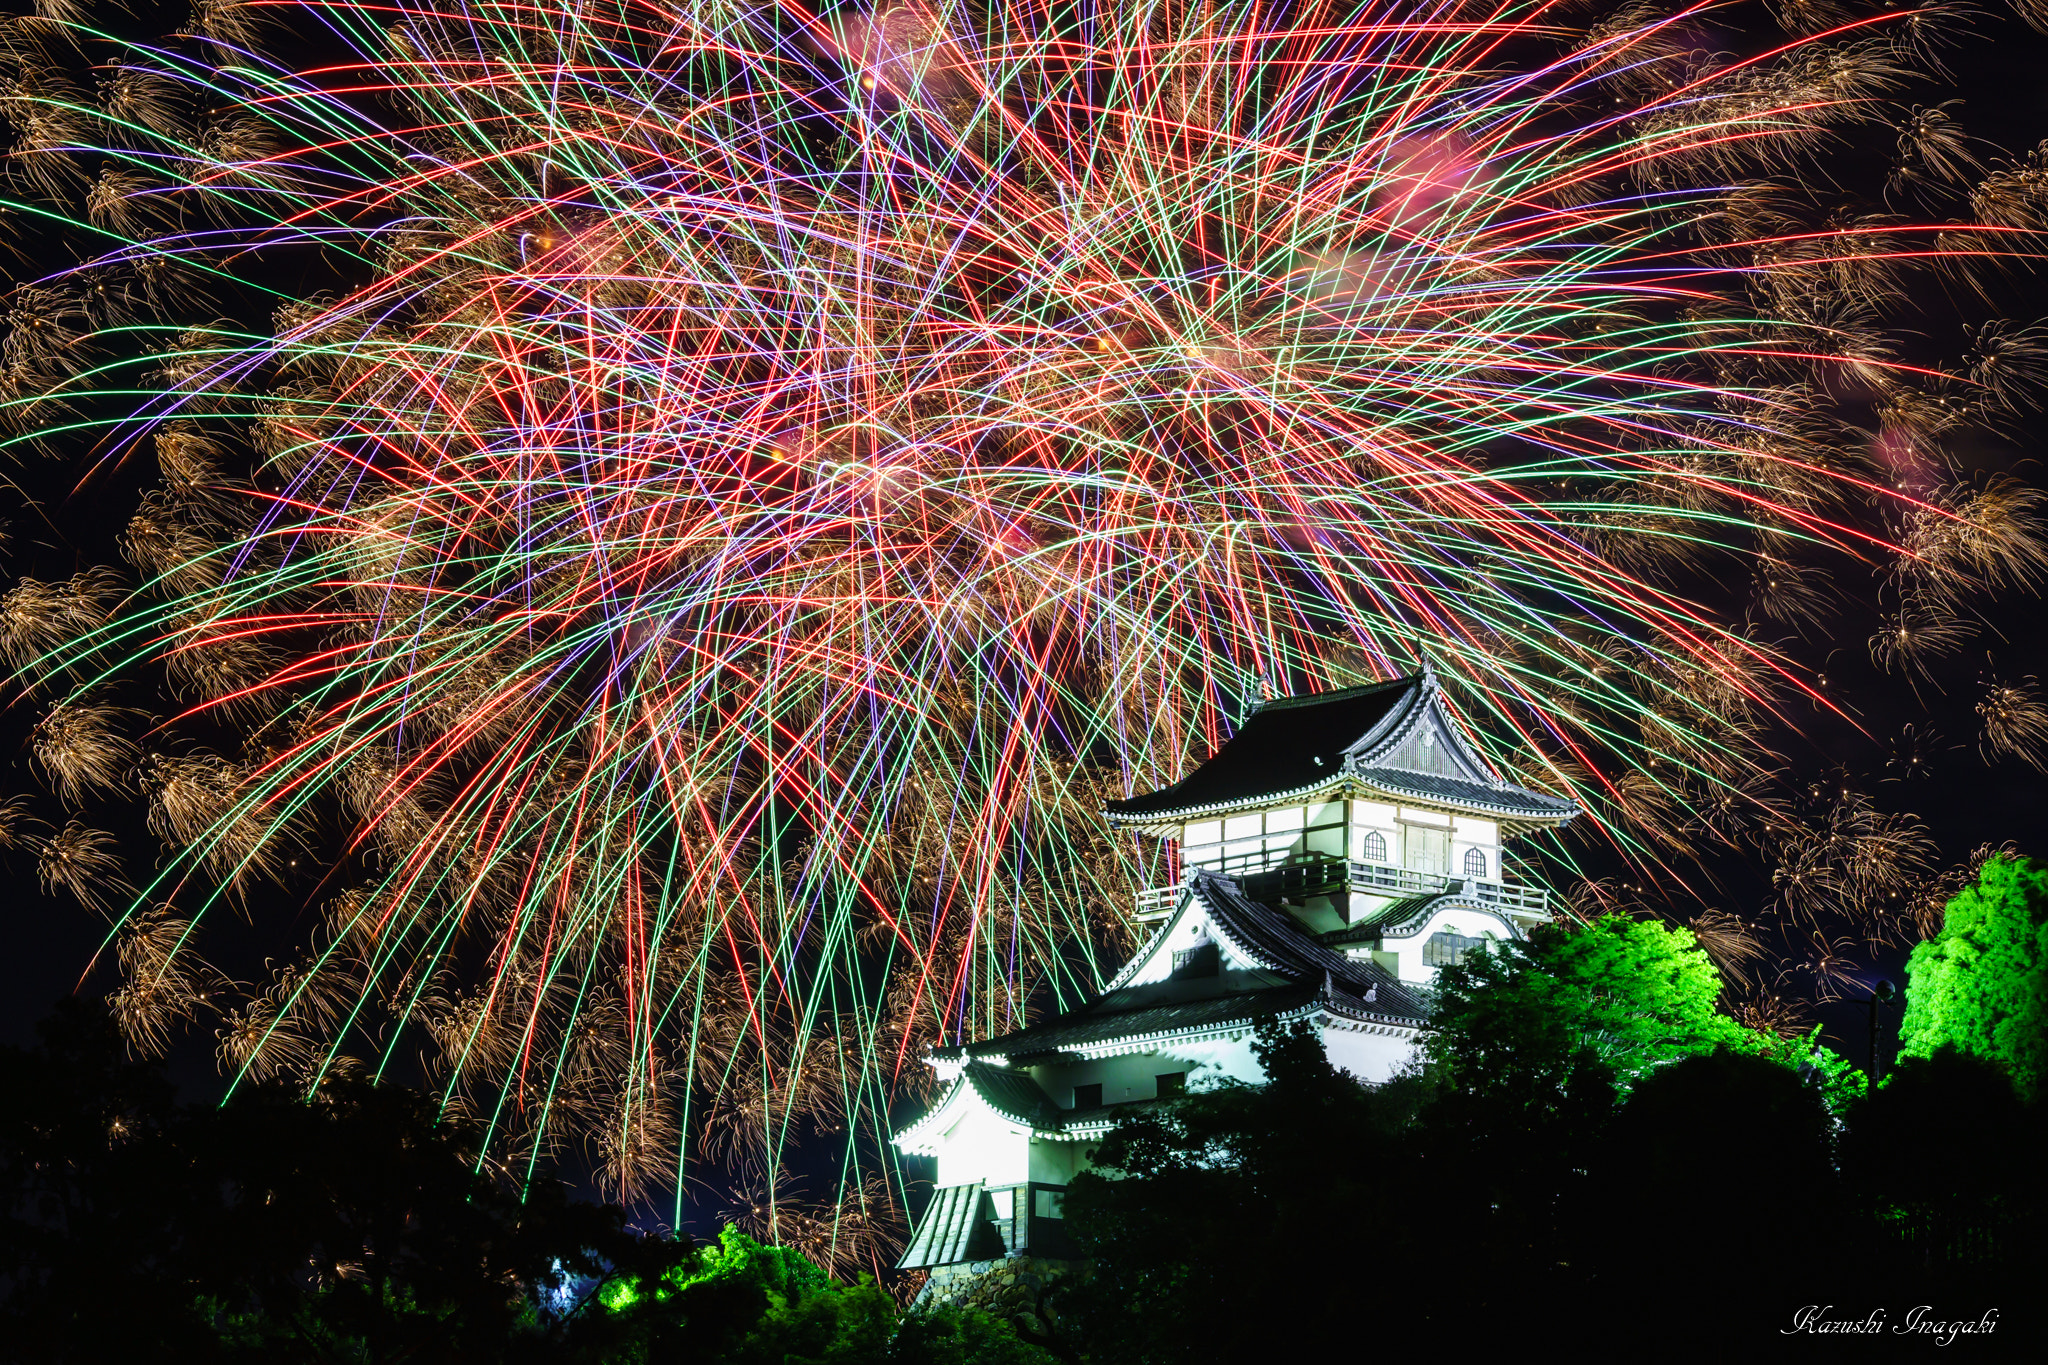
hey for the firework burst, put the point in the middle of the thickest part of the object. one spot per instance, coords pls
(748, 485)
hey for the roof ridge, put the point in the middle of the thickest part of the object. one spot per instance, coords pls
(1297, 699)
(1288, 938)
(1042, 1111)
(1085, 1028)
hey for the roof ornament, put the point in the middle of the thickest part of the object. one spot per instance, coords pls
(1372, 993)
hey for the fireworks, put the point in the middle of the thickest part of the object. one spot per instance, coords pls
(2015, 721)
(740, 489)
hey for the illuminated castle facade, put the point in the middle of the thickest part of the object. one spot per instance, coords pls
(1334, 853)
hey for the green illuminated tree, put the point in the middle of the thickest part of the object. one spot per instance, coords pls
(1619, 995)
(1981, 984)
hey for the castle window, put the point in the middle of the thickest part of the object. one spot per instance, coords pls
(1171, 1084)
(1426, 850)
(1475, 862)
(1049, 1203)
(1447, 950)
(1374, 849)
(1088, 1096)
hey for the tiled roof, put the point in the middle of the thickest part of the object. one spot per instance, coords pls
(1288, 947)
(1014, 1095)
(1510, 801)
(1100, 1022)
(1295, 747)
(1275, 750)
(1298, 967)
(956, 1227)
(1389, 917)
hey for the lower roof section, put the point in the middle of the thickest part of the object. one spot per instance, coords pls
(956, 1227)
(1102, 1022)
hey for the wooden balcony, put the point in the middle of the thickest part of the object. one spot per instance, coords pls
(1334, 877)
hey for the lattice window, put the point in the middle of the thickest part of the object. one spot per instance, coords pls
(1447, 950)
(1375, 847)
(1475, 862)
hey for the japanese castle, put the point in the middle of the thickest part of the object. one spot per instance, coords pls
(1336, 851)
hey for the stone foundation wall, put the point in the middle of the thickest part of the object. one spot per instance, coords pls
(1013, 1288)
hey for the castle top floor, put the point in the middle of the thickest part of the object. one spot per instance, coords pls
(1380, 781)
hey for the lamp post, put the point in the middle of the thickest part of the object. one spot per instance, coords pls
(1882, 994)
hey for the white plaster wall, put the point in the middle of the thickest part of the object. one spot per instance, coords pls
(1371, 1057)
(1134, 1076)
(1056, 1163)
(1229, 1056)
(1378, 816)
(1192, 929)
(1484, 835)
(985, 1147)
(1455, 920)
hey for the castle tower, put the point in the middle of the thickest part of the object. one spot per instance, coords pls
(1338, 850)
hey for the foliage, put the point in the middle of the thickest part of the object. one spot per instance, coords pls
(1842, 1083)
(1586, 1129)
(1531, 1046)
(362, 1222)
(1624, 995)
(90, 1187)
(1947, 1152)
(743, 1303)
(1237, 1224)
(1981, 983)
(362, 1226)
(1710, 1161)
(611, 528)
(1200, 1212)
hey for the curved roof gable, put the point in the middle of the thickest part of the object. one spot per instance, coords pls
(1396, 738)
(1288, 746)
(1011, 1095)
(1293, 971)
(1279, 940)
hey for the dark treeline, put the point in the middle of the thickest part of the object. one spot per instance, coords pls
(1591, 1155)
(1700, 1211)
(362, 1227)
(1588, 1151)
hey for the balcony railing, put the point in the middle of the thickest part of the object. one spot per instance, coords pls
(1157, 902)
(1397, 881)
(1528, 900)
(1331, 876)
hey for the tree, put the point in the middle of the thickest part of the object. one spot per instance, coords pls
(742, 1303)
(1627, 996)
(92, 1187)
(1217, 1224)
(1715, 1175)
(363, 1225)
(357, 1226)
(1980, 985)
(1945, 1161)
(1530, 1047)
